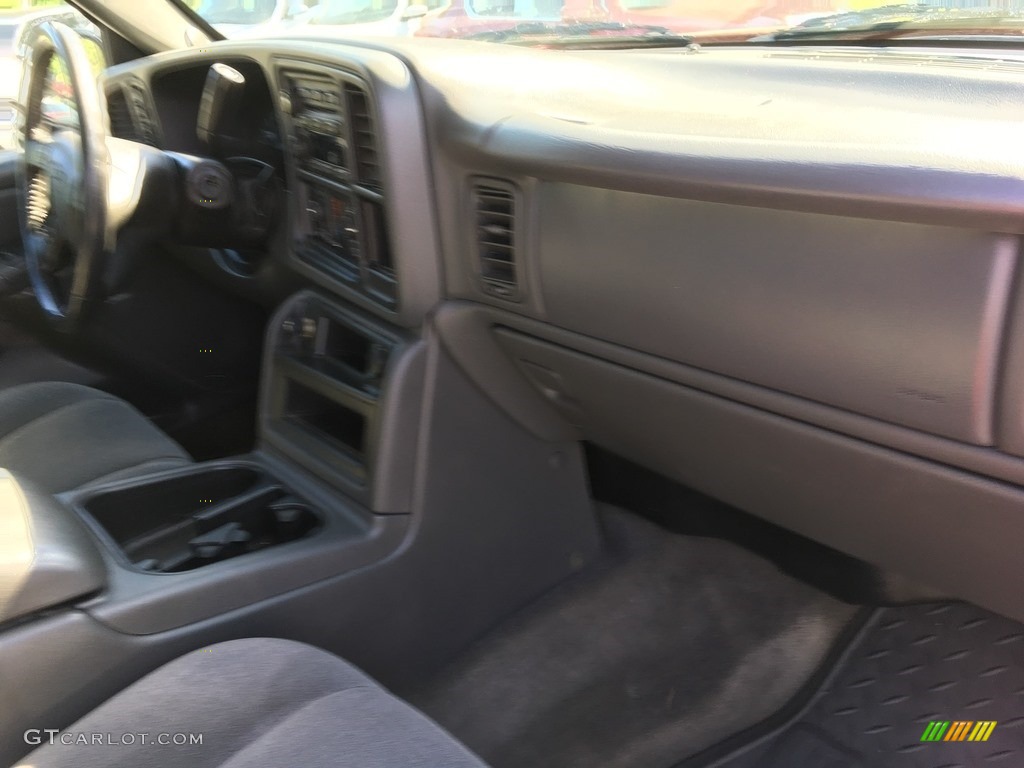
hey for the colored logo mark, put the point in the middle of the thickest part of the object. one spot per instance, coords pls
(959, 730)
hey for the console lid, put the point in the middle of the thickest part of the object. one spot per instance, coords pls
(47, 557)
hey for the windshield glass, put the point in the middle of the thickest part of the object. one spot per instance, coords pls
(236, 11)
(352, 11)
(58, 104)
(656, 22)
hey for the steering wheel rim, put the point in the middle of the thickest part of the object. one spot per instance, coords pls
(62, 179)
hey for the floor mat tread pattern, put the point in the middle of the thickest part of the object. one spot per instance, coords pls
(909, 667)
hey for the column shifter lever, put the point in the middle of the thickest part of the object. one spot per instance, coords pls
(221, 96)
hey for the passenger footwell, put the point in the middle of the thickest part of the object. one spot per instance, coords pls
(923, 686)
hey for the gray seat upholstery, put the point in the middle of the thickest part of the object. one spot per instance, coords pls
(257, 703)
(61, 436)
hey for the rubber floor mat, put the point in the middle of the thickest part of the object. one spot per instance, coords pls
(925, 686)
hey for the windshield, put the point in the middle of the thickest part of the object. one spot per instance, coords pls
(353, 11)
(237, 11)
(662, 22)
(7, 39)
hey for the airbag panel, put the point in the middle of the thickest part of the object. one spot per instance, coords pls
(897, 321)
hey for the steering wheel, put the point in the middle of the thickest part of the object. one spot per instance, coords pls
(63, 174)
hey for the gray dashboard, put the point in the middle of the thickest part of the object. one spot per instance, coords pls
(173, 82)
(787, 277)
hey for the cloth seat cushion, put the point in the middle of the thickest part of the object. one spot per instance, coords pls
(61, 436)
(257, 703)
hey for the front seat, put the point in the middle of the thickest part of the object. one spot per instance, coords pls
(256, 703)
(61, 436)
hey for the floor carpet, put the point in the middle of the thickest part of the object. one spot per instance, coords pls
(668, 646)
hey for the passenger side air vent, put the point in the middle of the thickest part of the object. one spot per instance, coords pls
(364, 138)
(495, 211)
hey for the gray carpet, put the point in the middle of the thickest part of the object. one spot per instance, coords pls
(667, 647)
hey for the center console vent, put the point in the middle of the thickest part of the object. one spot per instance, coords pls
(494, 205)
(364, 138)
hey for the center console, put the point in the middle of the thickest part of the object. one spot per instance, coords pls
(330, 486)
(202, 516)
(340, 382)
(340, 215)
(328, 490)
(339, 387)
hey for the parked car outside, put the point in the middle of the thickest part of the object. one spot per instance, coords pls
(237, 18)
(689, 17)
(397, 18)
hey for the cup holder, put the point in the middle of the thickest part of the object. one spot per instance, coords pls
(187, 521)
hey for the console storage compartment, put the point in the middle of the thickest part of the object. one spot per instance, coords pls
(202, 516)
(327, 419)
(328, 398)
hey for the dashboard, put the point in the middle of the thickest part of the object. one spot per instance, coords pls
(786, 277)
(342, 227)
(311, 128)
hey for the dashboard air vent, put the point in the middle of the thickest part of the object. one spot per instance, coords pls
(495, 210)
(121, 124)
(364, 137)
(130, 115)
(145, 122)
